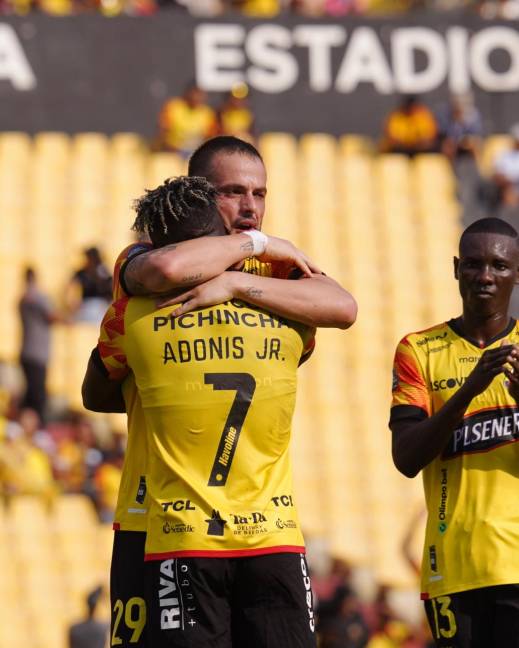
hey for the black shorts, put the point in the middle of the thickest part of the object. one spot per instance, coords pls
(257, 602)
(481, 618)
(127, 590)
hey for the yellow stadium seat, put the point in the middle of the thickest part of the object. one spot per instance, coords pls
(162, 166)
(355, 145)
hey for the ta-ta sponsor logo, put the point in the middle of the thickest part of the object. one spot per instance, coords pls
(308, 588)
(448, 383)
(170, 616)
(254, 518)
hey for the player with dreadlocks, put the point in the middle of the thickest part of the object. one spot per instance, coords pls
(178, 209)
(239, 175)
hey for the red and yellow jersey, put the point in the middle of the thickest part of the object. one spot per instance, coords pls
(218, 391)
(132, 504)
(472, 530)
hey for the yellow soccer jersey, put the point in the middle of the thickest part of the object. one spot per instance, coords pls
(472, 532)
(218, 390)
(132, 504)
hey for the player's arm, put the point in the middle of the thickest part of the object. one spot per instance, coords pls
(418, 438)
(100, 394)
(317, 301)
(107, 366)
(190, 263)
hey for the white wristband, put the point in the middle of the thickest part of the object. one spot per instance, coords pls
(259, 241)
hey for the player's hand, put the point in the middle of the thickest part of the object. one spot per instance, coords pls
(492, 363)
(512, 374)
(279, 249)
(212, 292)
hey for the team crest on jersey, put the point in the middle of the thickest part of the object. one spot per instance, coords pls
(216, 524)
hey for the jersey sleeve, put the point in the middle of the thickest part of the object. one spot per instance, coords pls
(309, 346)
(111, 345)
(410, 392)
(119, 289)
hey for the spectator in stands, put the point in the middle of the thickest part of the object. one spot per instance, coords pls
(186, 121)
(90, 289)
(460, 135)
(312, 8)
(492, 9)
(78, 456)
(506, 172)
(107, 479)
(235, 116)
(203, 8)
(37, 316)
(344, 7)
(410, 129)
(89, 633)
(346, 626)
(25, 469)
(460, 128)
(257, 8)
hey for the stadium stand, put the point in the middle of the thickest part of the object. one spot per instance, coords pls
(381, 224)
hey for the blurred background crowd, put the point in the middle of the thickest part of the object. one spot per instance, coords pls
(505, 9)
(432, 168)
(48, 449)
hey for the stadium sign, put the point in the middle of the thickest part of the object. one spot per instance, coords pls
(88, 72)
(227, 54)
(14, 65)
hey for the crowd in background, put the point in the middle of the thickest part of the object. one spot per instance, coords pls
(48, 451)
(505, 9)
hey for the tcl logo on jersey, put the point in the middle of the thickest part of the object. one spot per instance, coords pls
(448, 383)
(283, 500)
(178, 505)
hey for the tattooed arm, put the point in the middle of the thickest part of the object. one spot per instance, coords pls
(318, 301)
(190, 263)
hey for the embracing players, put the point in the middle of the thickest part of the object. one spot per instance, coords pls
(239, 174)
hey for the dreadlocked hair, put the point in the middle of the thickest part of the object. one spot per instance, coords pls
(161, 211)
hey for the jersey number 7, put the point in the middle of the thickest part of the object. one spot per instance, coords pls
(244, 385)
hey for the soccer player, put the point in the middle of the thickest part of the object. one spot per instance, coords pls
(208, 381)
(320, 302)
(455, 416)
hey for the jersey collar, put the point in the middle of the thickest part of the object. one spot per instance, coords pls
(457, 329)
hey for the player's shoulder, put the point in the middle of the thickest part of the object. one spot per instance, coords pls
(431, 335)
(139, 247)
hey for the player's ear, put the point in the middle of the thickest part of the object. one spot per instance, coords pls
(456, 266)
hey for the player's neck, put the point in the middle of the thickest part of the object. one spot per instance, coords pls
(483, 328)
